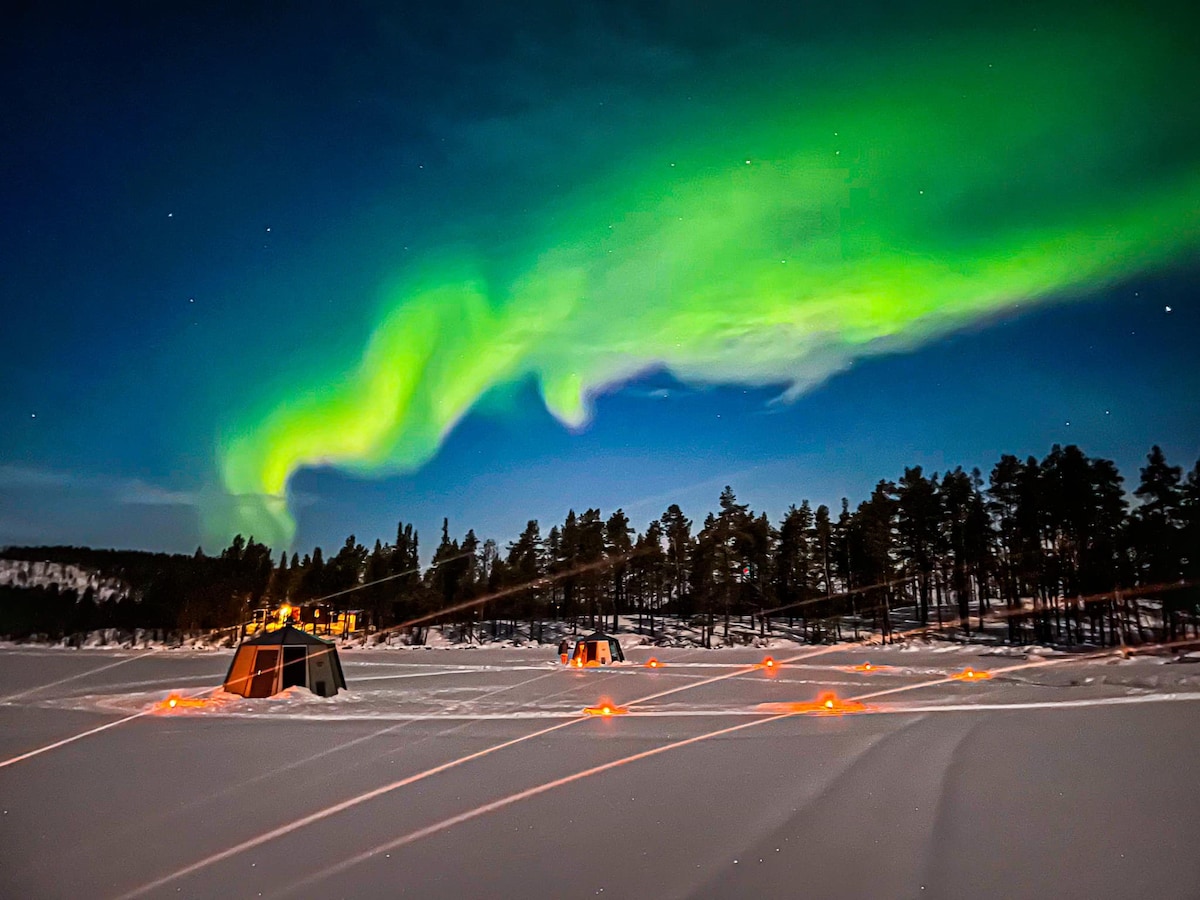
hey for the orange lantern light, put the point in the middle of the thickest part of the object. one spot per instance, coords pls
(829, 704)
(605, 710)
(175, 702)
(868, 667)
(826, 704)
(653, 663)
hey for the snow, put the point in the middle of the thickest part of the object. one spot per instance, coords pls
(27, 574)
(458, 773)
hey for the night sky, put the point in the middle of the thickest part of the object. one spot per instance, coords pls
(299, 273)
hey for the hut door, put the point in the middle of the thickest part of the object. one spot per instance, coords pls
(262, 683)
(294, 661)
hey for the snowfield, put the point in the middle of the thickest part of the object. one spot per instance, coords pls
(453, 773)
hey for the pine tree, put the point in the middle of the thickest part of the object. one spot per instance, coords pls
(1157, 523)
(794, 557)
(677, 532)
(618, 547)
(525, 568)
(917, 529)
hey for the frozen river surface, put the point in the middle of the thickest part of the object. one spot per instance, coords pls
(461, 774)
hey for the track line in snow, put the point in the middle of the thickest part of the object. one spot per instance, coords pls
(705, 712)
(334, 809)
(42, 687)
(495, 805)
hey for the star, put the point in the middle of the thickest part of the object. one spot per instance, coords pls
(1168, 309)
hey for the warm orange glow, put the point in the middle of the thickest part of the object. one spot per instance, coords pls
(653, 663)
(577, 663)
(606, 709)
(826, 704)
(868, 667)
(970, 674)
(285, 611)
(174, 701)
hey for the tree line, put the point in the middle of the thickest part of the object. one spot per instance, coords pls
(1054, 549)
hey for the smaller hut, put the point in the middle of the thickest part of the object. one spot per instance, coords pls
(280, 659)
(597, 650)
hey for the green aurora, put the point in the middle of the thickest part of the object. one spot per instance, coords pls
(777, 237)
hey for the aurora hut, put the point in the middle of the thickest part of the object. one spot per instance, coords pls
(287, 657)
(597, 650)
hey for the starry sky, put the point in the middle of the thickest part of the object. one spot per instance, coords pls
(296, 273)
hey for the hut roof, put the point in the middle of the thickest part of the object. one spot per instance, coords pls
(597, 636)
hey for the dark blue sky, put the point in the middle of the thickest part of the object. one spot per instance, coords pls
(203, 204)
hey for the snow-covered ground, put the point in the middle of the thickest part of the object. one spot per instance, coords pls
(472, 773)
(29, 574)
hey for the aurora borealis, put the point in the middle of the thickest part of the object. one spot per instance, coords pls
(603, 202)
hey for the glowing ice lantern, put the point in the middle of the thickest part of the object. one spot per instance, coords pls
(605, 710)
(652, 663)
(174, 701)
(868, 667)
(829, 703)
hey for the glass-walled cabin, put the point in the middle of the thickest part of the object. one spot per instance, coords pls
(315, 618)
